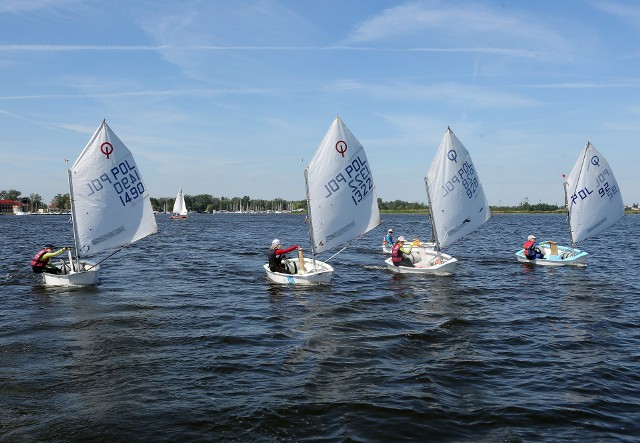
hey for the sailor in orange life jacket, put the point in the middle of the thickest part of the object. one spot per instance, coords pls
(531, 249)
(399, 251)
(40, 262)
(276, 255)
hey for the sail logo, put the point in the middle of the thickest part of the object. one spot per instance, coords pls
(341, 147)
(356, 176)
(123, 178)
(107, 149)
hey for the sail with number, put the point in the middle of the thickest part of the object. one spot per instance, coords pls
(340, 190)
(457, 201)
(179, 206)
(111, 206)
(593, 196)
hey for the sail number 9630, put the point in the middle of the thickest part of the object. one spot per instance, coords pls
(356, 176)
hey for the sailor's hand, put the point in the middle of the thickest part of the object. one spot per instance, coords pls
(68, 248)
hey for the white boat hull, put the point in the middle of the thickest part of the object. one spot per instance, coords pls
(565, 256)
(426, 261)
(87, 276)
(322, 273)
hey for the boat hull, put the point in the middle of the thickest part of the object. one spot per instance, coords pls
(87, 276)
(564, 256)
(426, 261)
(321, 274)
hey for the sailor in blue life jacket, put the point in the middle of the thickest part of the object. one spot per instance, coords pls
(531, 249)
(276, 255)
(388, 239)
(40, 262)
(399, 253)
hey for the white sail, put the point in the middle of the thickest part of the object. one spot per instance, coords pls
(179, 206)
(593, 196)
(111, 205)
(340, 189)
(457, 202)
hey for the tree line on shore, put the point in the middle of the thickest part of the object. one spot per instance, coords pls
(209, 203)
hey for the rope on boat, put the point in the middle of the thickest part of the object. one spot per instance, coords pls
(108, 256)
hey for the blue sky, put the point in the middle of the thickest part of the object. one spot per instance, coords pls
(231, 98)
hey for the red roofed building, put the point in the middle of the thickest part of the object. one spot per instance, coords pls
(11, 206)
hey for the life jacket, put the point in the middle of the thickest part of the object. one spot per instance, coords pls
(529, 249)
(396, 253)
(274, 260)
(37, 263)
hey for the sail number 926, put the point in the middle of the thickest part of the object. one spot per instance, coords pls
(356, 176)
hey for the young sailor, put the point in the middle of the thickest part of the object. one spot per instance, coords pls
(40, 262)
(388, 239)
(276, 255)
(399, 253)
(531, 249)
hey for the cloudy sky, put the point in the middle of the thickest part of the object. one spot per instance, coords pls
(231, 98)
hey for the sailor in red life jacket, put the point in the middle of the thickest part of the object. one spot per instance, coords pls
(40, 262)
(276, 255)
(399, 252)
(531, 249)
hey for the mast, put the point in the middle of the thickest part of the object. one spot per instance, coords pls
(433, 224)
(73, 220)
(309, 220)
(566, 195)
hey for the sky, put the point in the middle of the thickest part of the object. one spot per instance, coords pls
(232, 98)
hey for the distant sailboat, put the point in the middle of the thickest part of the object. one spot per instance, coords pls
(179, 206)
(594, 204)
(110, 206)
(342, 203)
(457, 207)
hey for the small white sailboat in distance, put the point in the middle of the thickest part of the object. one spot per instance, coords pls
(179, 207)
(594, 204)
(457, 207)
(110, 206)
(341, 200)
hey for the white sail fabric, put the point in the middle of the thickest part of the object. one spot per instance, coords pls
(340, 189)
(111, 205)
(457, 202)
(179, 206)
(593, 196)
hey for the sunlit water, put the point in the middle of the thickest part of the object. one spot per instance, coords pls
(185, 339)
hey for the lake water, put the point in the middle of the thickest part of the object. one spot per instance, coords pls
(185, 339)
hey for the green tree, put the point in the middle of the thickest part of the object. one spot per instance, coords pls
(11, 194)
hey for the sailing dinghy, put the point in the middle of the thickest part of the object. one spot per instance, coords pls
(110, 206)
(594, 204)
(341, 200)
(457, 207)
(179, 207)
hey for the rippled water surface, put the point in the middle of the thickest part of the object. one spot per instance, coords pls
(186, 340)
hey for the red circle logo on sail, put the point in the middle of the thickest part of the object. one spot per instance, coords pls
(341, 147)
(106, 148)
